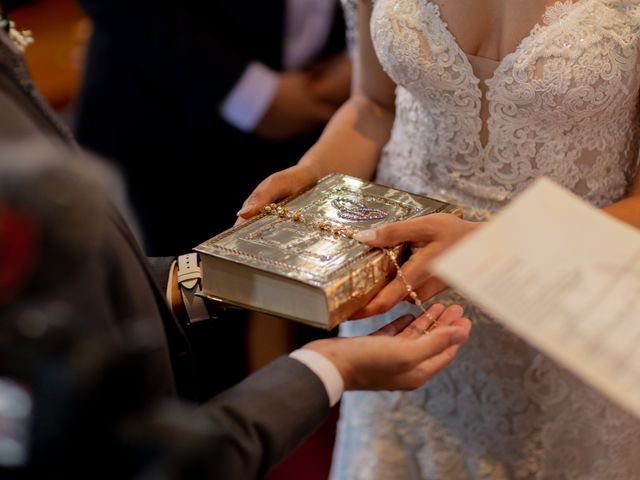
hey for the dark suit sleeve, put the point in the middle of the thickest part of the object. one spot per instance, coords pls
(262, 419)
(159, 269)
(177, 39)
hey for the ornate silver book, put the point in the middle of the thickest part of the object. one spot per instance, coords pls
(298, 261)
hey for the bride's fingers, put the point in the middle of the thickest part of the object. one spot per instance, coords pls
(415, 274)
(414, 230)
(384, 300)
(430, 288)
(393, 328)
(417, 247)
(271, 189)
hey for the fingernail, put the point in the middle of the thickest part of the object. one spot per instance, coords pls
(246, 208)
(366, 235)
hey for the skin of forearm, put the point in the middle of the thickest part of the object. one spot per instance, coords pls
(177, 305)
(627, 210)
(352, 141)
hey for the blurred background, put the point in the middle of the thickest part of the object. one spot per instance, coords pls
(56, 59)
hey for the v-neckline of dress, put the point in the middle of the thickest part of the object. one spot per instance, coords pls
(539, 27)
(535, 30)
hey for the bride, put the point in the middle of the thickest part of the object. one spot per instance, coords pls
(469, 102)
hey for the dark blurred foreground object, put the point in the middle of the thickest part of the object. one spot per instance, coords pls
(79, 405)
(85, 385)
(67, 399)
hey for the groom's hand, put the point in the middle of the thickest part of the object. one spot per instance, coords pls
(399, 356)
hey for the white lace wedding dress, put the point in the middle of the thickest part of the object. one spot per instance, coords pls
(476, 133)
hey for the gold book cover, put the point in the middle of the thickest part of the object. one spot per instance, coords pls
(297, 259)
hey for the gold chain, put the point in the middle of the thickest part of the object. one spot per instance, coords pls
(346, 232)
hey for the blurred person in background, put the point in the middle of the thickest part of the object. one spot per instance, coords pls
(201, 100)
(170, 86)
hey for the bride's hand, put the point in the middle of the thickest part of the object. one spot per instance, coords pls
(276, 187)
(429, 236)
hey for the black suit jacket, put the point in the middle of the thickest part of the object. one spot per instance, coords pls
(157, 73)
(250, 427)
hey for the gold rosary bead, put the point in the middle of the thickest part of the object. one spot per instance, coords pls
(267, 209)
(412, 293)
(296, 216)
(336, 230)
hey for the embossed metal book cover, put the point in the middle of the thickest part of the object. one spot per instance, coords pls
(299, 261)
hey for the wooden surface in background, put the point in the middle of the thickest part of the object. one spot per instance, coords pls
(55, 60)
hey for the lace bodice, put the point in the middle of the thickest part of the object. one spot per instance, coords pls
(564, 104)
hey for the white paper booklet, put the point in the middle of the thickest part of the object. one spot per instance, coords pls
(566, 278)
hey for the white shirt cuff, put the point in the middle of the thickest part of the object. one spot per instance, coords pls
(251, 96)
(324, 369)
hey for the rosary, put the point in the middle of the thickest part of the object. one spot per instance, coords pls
(358, 212)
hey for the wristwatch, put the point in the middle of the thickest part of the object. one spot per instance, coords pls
(190, 283)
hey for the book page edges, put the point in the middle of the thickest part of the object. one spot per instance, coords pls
(260, 290)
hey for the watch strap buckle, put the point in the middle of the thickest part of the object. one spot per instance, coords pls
(189, 277)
